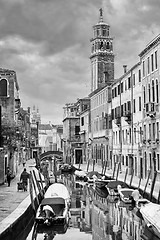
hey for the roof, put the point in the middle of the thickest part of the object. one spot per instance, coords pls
(45, 127)
(54, 200)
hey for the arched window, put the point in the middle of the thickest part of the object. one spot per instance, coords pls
(157, 91)
(107, 45)
(101, 45)
(153, 93)
(3, 88)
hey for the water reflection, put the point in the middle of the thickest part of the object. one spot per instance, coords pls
(48, 233)
(96, 215)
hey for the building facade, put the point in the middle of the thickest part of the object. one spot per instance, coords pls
(124, 115)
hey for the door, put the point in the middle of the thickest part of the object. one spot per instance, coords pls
(78, 156)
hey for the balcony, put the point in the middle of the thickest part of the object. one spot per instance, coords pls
(127, 116)
(150, 110)
(117, 121)
(152, 143)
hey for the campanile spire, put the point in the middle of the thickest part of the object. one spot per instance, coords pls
(101, 15)
(102, 57)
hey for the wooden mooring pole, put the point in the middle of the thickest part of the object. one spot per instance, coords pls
(41, 181)
(118, 168)
(34, 186)
(38, 185)
(125, 177)
(88, 162)
(130, 184)
(105, 168)
(94, 164)
(152, 186)
(114, 170)
(144, 190)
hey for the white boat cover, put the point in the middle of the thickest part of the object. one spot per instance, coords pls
(151, 211)
(80, 173)
(57, 189)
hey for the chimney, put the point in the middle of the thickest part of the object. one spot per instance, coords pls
(125, 68)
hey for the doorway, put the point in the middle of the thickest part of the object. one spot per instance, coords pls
(78, 156)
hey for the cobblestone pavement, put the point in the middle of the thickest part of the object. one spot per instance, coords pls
(10, 197)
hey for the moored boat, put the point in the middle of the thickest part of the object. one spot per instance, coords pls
(66, 168)
(54, 208)
(58, 189)
(128, 195)
(52, 211)
(112, 187)
(151, 215)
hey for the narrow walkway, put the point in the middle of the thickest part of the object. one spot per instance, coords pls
(10, 197)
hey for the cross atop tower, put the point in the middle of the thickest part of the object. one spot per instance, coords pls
(101, 15)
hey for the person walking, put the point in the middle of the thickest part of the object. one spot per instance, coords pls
(24, 179)
(8, 175)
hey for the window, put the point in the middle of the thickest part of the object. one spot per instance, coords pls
(107, 45)
(134, 135)
(154, 132)
(150, 131)
(104, 33)
(82, 121)
(144, 95)
(3, 88)
(112, 93)
(122, 87)
(153, 94)
(144, 134)
(129, 82)
(158, 162)
(143, 69)
(115, 93)
(141, 133)
(157, 130)
(148, 65)
(157, 91)
(139, 75)
(77, 129)
(125, 84)
(119, 89)
(156, 62)
(152, 63)
(98, 32)
(150, 160)
(149, 93)
(134, 105)
(140, 108)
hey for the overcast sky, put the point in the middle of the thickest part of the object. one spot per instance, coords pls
(47, 44)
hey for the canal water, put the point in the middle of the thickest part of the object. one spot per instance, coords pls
(95, 216)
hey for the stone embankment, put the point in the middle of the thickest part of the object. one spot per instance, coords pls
(13, 224)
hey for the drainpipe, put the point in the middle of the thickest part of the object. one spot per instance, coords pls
(111, 156)
(132, 139)
(120, 138)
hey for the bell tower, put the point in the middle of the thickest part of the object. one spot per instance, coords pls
(102, 57)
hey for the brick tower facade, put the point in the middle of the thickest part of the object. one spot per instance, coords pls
(102, 57)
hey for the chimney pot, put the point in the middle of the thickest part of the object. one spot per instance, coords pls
(125, 68)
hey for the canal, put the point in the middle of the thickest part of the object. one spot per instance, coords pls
(96, 216)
